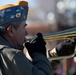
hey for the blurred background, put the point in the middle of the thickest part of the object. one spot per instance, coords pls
(49, 16)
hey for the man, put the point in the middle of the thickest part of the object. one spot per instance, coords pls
(12, 37)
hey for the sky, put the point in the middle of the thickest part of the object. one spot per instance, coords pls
(31, 3)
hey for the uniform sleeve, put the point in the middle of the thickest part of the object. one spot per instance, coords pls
(39, 66)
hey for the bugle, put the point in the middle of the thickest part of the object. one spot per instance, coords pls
(61, 35)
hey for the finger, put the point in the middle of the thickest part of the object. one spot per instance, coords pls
(39, 35)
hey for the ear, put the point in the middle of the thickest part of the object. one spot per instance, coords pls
(10, 30)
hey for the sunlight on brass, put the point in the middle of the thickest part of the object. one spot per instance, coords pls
(63, 57)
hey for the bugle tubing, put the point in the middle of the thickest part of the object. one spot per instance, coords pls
(61, 35)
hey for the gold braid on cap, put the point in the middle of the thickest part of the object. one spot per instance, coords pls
(19, 3)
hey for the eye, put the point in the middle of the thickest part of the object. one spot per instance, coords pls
(25, 25)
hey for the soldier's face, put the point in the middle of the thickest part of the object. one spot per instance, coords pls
(20, 33)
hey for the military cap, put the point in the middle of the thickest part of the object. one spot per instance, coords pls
(13, 12)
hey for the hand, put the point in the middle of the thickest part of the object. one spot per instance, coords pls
(37, 45)
(65, 48)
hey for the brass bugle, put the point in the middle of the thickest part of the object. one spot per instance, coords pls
(61, 35)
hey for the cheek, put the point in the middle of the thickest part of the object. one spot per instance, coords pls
(26, 33)
(22, 34)
(20, 37)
